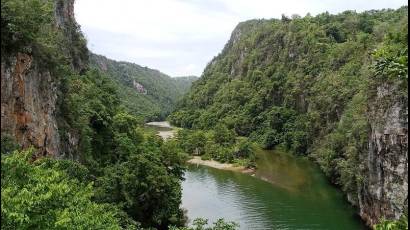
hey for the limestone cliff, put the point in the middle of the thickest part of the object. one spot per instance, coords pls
(385, 193)
(29, 90)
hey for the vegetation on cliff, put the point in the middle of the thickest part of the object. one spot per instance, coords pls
(134, 171)
(304, 83)
(400, 224)
(119, 176)
(24, 24)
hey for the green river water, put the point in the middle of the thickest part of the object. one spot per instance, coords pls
(286, 192)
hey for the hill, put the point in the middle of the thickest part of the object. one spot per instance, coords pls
(70, 152)
(331, 87)
(144, 91)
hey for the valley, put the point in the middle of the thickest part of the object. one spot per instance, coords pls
(298, 123)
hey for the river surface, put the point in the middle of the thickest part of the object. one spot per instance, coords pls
(285, 192)
(164, 129)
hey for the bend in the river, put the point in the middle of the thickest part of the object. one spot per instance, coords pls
(285, 192)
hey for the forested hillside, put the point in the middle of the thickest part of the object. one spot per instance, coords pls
(185, 82)
(75, 153)
(144, 91)
(332, 87)
(72, 155)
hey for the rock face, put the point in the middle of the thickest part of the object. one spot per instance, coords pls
(29, 91)
(28, 104)
(76, 47)
(140, 88)
(386, 167)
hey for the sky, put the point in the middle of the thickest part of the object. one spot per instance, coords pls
(179, 37)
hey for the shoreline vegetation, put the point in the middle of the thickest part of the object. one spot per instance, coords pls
(324, 87)
(170, 132)
(197, 160)
(202, 149)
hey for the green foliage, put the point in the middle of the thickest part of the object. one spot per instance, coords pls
(23, 23)
(223, 136)
(400, 224)
(137, 175)
(135, 172)
(8, 144)
(124, 178)
(243, 149)
(302, 83)
(91, 102)
(296, 82)
(391, 59)
(45, 194)
(162, 91)
(201, 224)
(192, 142)
(29, 27)
(143, 187)
(220, 144)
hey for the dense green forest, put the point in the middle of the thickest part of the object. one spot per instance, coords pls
(157, 96)
(303, 83)
(126, 178)
(184, 83)
(123, 177)
(300, 83)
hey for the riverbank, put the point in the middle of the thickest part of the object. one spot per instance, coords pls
(218, 165)
(214, 193)
(293, 182)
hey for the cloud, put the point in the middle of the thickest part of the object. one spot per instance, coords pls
(179, 37)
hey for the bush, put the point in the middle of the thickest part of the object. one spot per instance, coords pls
(400, 224)
(200, 224)
(8, 144)
(42, 195)
(24, 23)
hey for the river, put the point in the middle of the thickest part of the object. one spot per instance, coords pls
(285, 192)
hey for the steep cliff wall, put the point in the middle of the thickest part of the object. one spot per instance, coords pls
(29, 89)
(385, 193)
(75, 44)
(28, 98)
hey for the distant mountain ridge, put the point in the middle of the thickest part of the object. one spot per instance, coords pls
(145, 92)
(185, 82)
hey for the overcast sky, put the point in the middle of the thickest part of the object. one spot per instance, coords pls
(179, 37)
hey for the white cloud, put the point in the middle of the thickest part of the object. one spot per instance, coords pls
(179, 37)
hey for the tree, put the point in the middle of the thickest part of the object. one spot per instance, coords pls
(8, 144)
(243, 149)
(39, 194)
(144, 188)
(24, 23)
(222, 135)
(200, 224)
